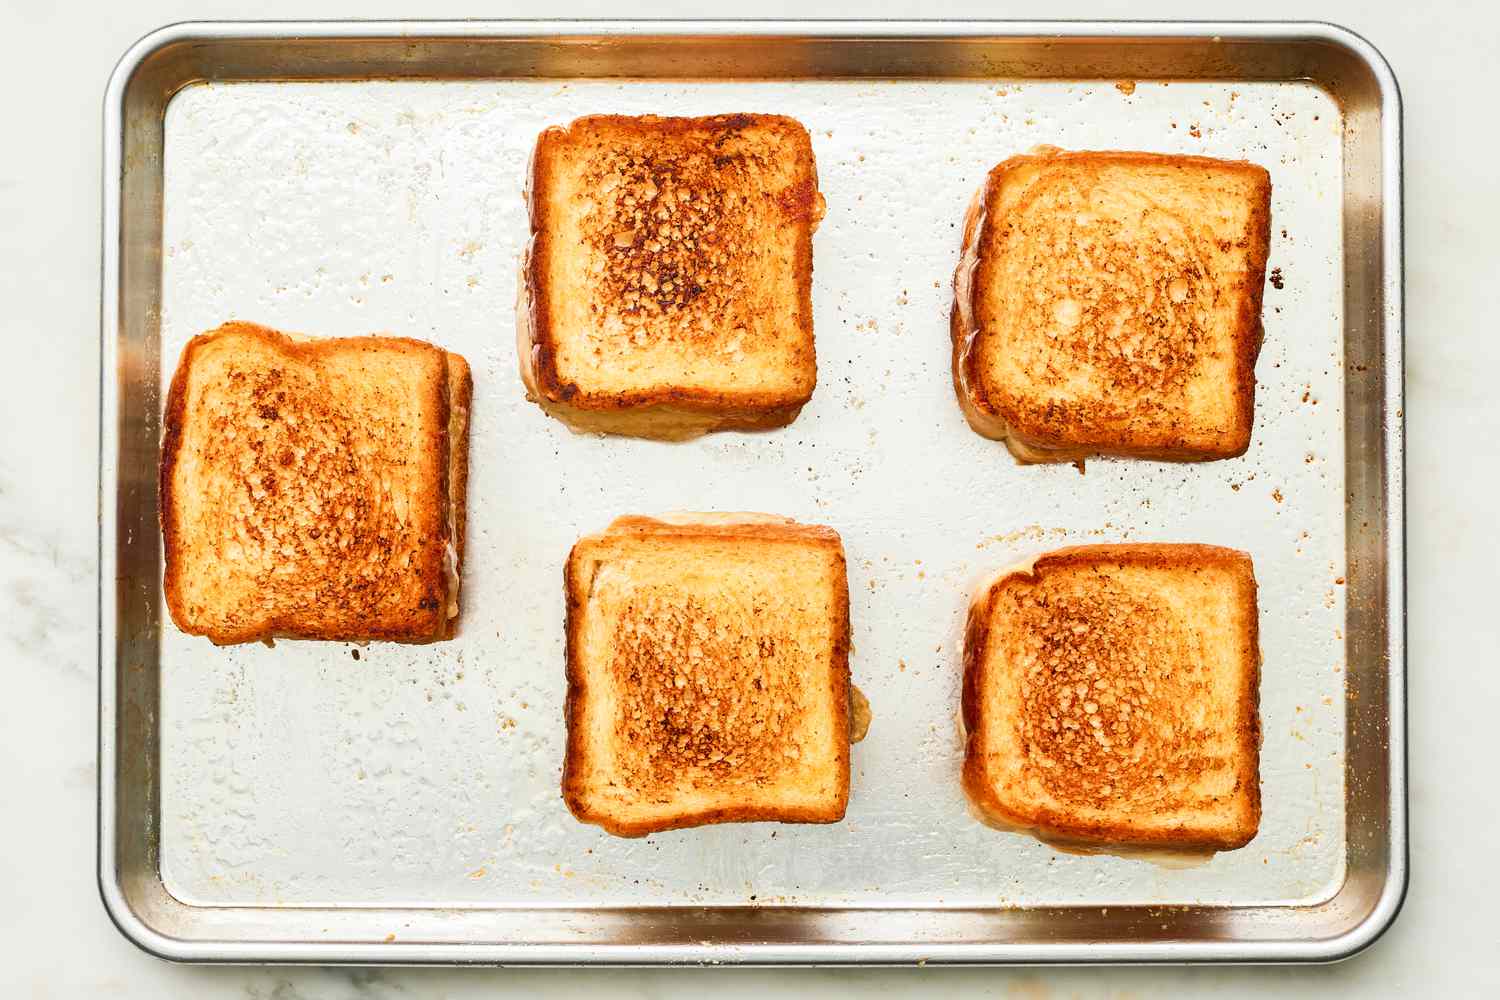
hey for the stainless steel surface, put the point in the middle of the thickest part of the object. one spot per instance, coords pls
(187, 883)
(316, 206)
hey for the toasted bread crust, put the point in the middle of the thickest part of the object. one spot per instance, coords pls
(664, 407)
(577, 790)
(1051, 432)
(1064, 827)
(428, 585)
(460, 405)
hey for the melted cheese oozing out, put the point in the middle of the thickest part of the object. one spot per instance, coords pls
(989, 424)
(450, 571)
(963, 291)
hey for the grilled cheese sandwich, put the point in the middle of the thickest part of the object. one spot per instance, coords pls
(314, 488)
(1109, 303)
(667, 287)
(708, 674)
(1110, 699)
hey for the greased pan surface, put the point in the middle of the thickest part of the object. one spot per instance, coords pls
(300, 803)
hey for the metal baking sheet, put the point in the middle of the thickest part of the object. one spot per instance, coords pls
(297, 803)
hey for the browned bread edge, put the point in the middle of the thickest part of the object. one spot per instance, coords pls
(460, 409)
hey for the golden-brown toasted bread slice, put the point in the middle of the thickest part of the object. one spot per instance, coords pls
(1111, 698)
(667, 290)
(314, 488)
(708, 673)
(1110, 303)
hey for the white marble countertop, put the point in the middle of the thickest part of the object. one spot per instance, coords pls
(55, 940)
